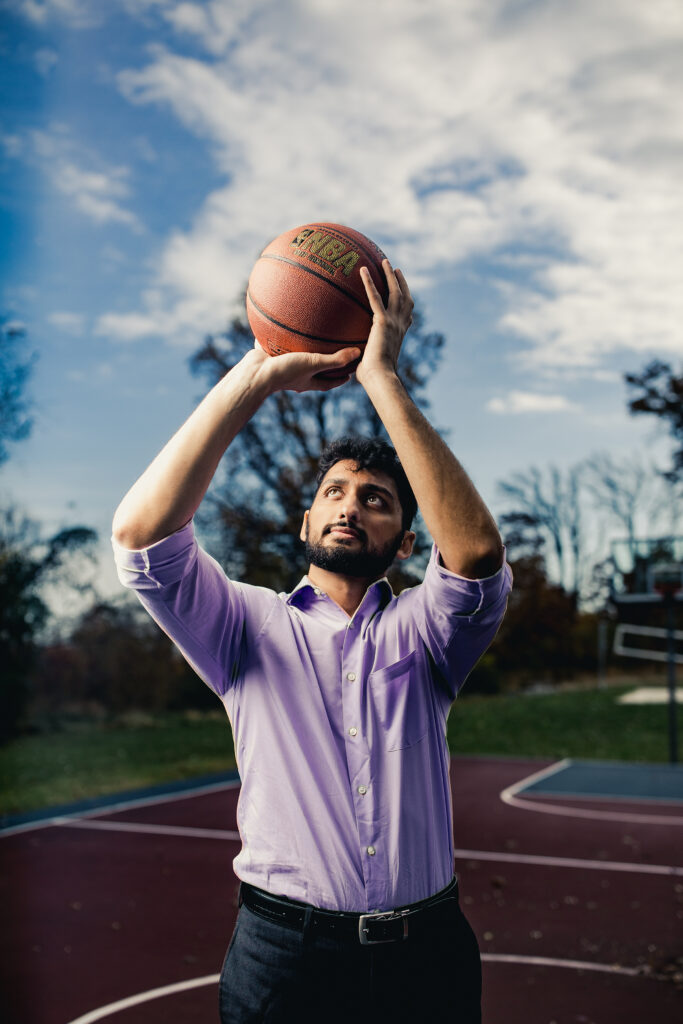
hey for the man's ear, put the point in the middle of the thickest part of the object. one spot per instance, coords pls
(407, 545)
(302, 535)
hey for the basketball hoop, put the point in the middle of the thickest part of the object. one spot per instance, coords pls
(666, 579)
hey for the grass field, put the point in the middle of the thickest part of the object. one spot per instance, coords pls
(91, 760)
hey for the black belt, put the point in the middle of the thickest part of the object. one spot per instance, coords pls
(368, 929)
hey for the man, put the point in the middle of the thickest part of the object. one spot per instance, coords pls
(338, 695)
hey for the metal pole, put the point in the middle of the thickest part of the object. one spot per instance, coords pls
(671, 676)
(602, 652)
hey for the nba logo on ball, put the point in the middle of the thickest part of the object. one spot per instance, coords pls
(306, 294)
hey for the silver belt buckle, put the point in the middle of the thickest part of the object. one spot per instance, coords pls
(389, 915)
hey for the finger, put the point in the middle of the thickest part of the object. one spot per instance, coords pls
(405, 290)
(313, 362)
(337, 360)
(374, 297)
(392, 280)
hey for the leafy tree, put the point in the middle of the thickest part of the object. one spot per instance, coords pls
(119, 659)
(15, 419)
(253, 512)
(658, 391)
(27, 563)
(536, 636)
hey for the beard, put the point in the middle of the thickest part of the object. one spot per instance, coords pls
(365, 562)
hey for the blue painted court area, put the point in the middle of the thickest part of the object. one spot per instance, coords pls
(619, 781)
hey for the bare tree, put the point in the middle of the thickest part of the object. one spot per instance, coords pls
(27, 563)
(545, 516)
(619, 489)
(632, 496)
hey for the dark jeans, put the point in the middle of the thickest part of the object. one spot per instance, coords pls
(274, 974)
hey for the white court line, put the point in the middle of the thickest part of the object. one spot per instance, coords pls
(509, 796)
(488, 855)
(571, 862)
(154, 830)
(145, 997)
(212, 979)
(549, 961)
(123, 805)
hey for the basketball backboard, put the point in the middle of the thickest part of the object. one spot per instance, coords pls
(646, 567)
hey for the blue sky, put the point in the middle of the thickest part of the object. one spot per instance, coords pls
(520, 161)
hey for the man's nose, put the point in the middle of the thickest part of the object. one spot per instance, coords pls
(350, 507)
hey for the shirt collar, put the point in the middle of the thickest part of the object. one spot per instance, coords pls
(305, 592)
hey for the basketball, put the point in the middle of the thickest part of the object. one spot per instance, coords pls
(305, 292)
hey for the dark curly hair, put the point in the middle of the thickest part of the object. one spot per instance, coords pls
(371, 453)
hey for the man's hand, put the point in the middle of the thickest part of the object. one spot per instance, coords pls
(297, 371)
(390, 323)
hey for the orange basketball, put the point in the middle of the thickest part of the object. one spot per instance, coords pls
(306, 294)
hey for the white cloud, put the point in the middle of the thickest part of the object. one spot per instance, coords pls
(545, 133)
(80, 13)
(70, 323)
(13, 145)
(95, 193)
(529, 402)
(130, 326)
(98, 192)
(45, 60)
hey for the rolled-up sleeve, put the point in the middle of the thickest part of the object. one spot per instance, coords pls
(188, 594)
(458, 618)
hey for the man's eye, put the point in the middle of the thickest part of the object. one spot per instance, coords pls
(332, 491)
(375, 499)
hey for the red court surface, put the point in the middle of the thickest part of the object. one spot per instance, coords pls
(578, 906)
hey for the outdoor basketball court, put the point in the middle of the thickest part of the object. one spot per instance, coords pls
(570, 873)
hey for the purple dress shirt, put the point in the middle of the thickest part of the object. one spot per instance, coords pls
(339, 723)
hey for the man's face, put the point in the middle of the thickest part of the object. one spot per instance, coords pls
(354, 524)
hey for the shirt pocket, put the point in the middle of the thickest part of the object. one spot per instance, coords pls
(399, 696)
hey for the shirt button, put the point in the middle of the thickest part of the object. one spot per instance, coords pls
(353, 731)
(316, 591)
(371, 851)
(362, 790)
(351, 676)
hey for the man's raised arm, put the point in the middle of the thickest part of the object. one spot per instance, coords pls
(170, 490)
(458, 520)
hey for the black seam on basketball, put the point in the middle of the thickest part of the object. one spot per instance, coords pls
(321, 277)
(302, 334)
